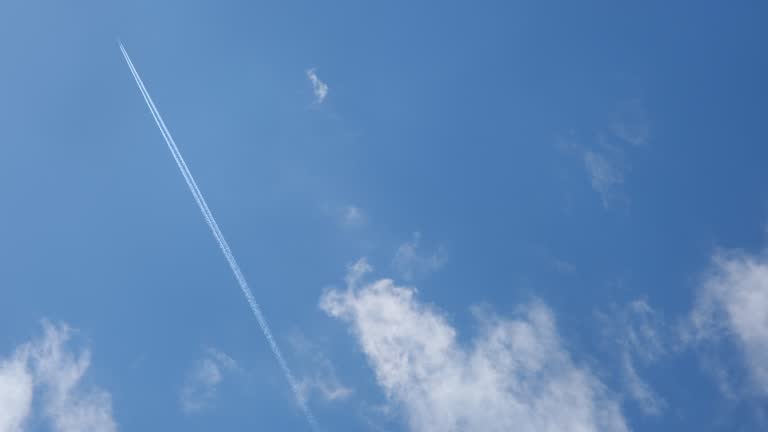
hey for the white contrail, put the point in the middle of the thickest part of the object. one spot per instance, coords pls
(221, 241)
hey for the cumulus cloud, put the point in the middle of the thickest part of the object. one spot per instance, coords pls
(319, 88)
(46, 370)
(732, 304)
(515, 375)
(411, 263)
(201, 386)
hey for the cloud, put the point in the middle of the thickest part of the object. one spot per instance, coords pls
(410, 263)
(16, 384)
(638, 334)
(642, 330)
(319, 88)
(348, 216)
(562, 266)
(605, 157)
(649, 401)
(732, 304)
(605, 174)
(322, 382)
(630, 123)
(202, 383)
(46, 370)
(352, 216)
(515, 375)
(326, 385)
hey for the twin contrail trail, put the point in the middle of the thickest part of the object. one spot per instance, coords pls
(222, 243)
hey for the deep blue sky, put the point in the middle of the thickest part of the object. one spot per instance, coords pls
(585, 154)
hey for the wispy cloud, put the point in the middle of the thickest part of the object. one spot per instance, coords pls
(605, 153)
(648, 400)
(319, 88)
(732, 305)
(562, 266)
(348, 215)
(640, 337)
(320, 377)
(46, 369)
(352, 216)
(326, 385)
(630, 122)
(201, 386)
(412, 263)
(605, 175)
(515, 375)
(641, 330)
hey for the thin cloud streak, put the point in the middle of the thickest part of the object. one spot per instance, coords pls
(222, 243)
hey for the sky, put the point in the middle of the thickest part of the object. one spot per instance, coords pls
(455, 216)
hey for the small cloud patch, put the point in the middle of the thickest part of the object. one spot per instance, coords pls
(320, 380)
(319, 88)
(413, 263)
(202, 383)
(605, 175)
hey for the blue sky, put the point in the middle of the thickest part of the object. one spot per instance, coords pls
(490, 216)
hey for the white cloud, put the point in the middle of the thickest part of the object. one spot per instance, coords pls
(202, 383)
(732, 303)
(649, 401)
(326, 385)
(15, 393)
(45, 369)
(631, 123)
(606, 156)
(322, 381)
(562, 266)
(606, 176)
(352, 216)
(348, 216)
(516, 374)
(638, 334)
(319, 88)
(410, 263)
(642, 327)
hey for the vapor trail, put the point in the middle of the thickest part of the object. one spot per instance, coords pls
(217, 234)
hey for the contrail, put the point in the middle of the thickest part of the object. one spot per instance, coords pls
(222, 243)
